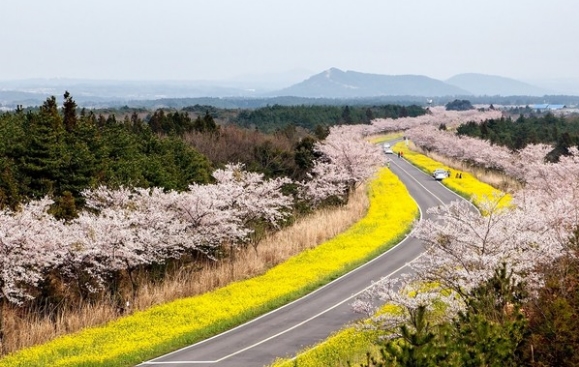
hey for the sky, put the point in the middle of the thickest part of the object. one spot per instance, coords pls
(225, 39)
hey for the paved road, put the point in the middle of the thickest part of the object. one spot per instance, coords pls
(314, 317)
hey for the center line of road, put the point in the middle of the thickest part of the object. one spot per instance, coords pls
(288, 329)
(153, 362)
(420, 184)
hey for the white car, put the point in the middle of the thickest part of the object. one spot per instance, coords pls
(440, 174)
(388, 149)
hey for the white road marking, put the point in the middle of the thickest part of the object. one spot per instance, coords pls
(154, 362)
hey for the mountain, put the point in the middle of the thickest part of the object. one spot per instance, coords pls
(566, 86)
(492, 85)
(335, 83)
(268, 81)
(326, 87)
(103, 93)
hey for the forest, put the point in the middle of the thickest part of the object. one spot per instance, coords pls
(314, 117)
(95, 209)
(60, 152)
(119, 224)
(562, 132)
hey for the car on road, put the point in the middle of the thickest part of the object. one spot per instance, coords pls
(440, 174)
(388, 149)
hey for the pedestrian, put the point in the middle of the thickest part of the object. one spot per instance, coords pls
(460, 175)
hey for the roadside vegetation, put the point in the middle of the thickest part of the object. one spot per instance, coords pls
(460, 181)
(505, 280)
(511, 249)
(111, 251)
(312, 117)
(359, 344)
(128, 341)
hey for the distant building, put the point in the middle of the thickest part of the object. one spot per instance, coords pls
(547, 107)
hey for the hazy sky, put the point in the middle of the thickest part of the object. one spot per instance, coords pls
(218, 39)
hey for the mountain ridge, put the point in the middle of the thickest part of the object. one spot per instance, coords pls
(332, 83)
(335, 83)
(491, 85)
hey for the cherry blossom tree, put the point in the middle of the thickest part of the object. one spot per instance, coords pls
(346, 148)
(346, 159)
(437, 115)
(254, 197)
(461, 148)
(326, 180)
(29, 243)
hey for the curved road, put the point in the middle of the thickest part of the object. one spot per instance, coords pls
(313, 318)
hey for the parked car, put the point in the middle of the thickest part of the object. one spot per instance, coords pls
(440, 174)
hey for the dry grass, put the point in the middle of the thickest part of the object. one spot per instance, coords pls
(495, 179)
(24, 330)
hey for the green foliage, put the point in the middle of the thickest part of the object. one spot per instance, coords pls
(561, 132)
(554, 316)
(61, 153)
(44, 149)
(310, 117)
(321, 132)
(459, 105)
(305, 155)
(415, 347)
(65, 207)
(270, 160)
(489, 332)
(206, 124)
(173, 165)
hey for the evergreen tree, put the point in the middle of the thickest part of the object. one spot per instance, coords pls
(554, 316)
(69, 111)
(489, 332)
(416, 344)
(492, 329)
(346, 116)
(304, 153)
(209, 124)
(44, 149)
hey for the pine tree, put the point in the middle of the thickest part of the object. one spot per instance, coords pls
(69, 111)
(44, 149)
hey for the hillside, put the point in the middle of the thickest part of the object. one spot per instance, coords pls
(330, 87)
(492, 85)
(335, 83)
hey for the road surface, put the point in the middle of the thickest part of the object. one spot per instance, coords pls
(311, 319)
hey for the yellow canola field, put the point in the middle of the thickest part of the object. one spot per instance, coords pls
(466, 186)
(351, 344)
(146, 334)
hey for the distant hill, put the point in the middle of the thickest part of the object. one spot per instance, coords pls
(330, 87)
(335, 83)
(564, 86)
(492, 85)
